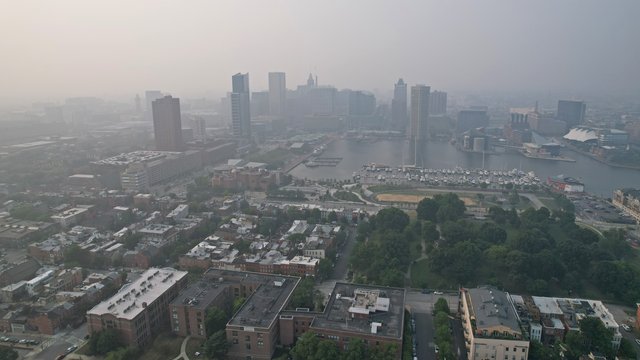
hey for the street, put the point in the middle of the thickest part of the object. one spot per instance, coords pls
(421, 306)
(59, 343)
(342, 262)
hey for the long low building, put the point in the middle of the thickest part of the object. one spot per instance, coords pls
(139, 310)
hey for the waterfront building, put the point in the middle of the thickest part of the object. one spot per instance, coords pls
(571, 112)
(437, 103)
(420, 112)
(399, 115)
(472, 119)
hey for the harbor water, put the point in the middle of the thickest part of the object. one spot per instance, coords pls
(599, 178)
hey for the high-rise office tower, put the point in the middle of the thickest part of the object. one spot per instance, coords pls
(240, 106)
(399, 105)
(259, 103)
(438, 103)
(277, 93)
(571, 112)
(149, 97)
(420, 112)
(167, 124)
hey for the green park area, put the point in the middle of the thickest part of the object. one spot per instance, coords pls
(538, 252)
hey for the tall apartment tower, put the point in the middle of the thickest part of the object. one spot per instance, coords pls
(167, 124)
(420, 112)
(438, 103)
(277, 93)
(399, 105)
(240, 106)
(571, 112)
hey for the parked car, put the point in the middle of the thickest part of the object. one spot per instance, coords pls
(438, 293)
(626, 327)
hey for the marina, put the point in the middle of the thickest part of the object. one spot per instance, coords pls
(599, 178)
(483, 178)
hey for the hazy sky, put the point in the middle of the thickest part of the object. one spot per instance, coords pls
(55, 49)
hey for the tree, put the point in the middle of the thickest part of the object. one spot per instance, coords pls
(302, 296)
(356, 351)
(325, 268)
(327, 349)
(103, 342)
(537, 351)
(315, 216)
(306, 347)
(427, 209)
(441, 306)
(8, 354)
(596, 336)
(124, 354)
(332, 216)
(627, 349)
(217, 345)
(215, 320)
(237, 304)
(391, 219)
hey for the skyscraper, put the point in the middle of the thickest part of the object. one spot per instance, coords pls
(399, 105)
(260, 103)
(167, 124)
(420, 112)
(438, 103)
(277, 93)
(240, 106)
(149, 97)
(571, 112)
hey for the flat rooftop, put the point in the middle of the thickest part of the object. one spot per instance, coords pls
(353, 298)
(135, 157)
(200, 295)
(127, 302)
(264, 305)
(492, 308)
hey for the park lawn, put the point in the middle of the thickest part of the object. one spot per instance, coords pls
(165, 346)
(422, 277)
(549, 202)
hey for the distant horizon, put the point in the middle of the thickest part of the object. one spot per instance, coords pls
(70, 48)
(382, 96)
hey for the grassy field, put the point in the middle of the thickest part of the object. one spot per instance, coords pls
(422, 277)
(194, 345)
(165, 346)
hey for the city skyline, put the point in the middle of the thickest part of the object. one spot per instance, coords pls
(476, 54)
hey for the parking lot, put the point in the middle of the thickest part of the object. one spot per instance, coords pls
(595, 209)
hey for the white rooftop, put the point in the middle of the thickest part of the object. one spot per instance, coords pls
(128, 302)
(547, 305)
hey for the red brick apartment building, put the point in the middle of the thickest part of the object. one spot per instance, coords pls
(374, 314)
(140, 310)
